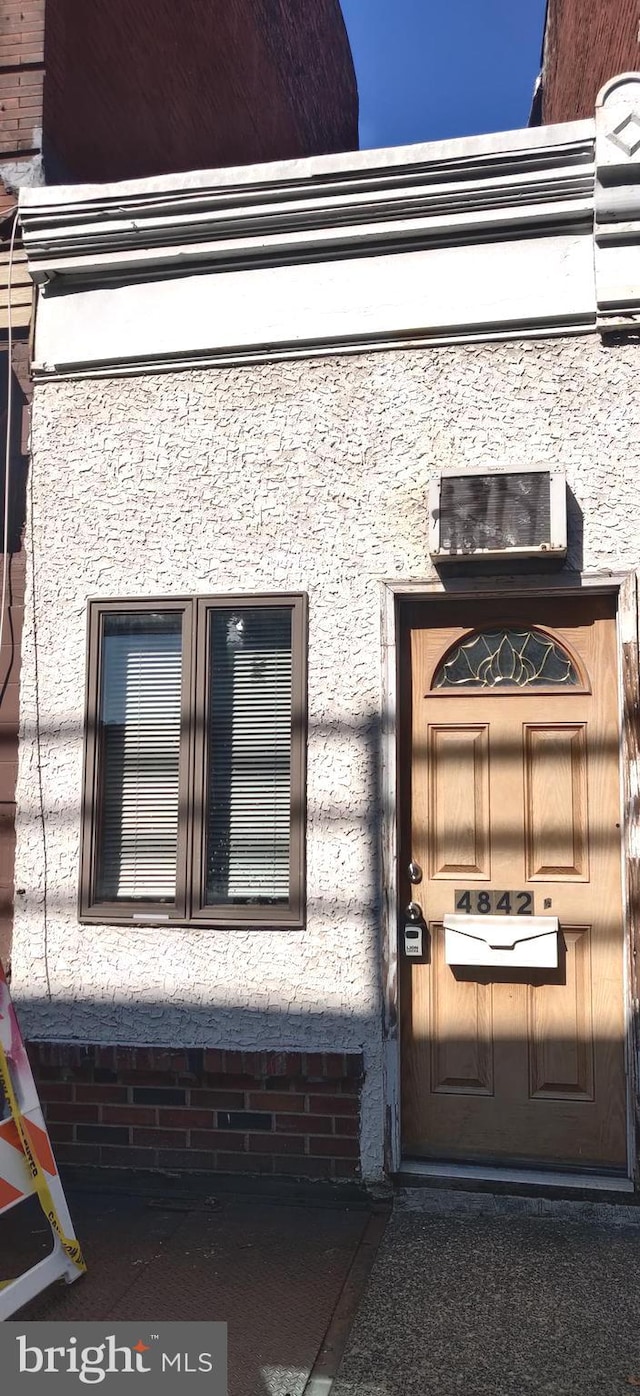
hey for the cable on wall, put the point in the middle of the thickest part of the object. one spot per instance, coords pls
(7, 453)
(3, 591)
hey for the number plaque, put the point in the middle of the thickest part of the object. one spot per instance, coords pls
(482, 902)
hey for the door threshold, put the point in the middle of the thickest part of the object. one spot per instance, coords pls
(411, 1170)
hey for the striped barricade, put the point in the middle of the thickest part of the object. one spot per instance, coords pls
(27, 1166)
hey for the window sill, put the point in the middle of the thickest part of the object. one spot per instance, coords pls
(201, 923)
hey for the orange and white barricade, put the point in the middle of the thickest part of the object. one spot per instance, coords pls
(27, 1166)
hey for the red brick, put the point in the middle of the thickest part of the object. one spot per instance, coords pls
(305, 1167)
(298, 1084)
(334, 1088)
(584, 46)
(78, 1153)
(223, 1100)
(314, 1065)
(111, 1095)
(128, 1115)
(155, 1059)
(124, 1156)
(244, 1163)
(335, 1104)
(187, 1159)
(346, 1125)
(304, 1124)
(76, 1113)
(346, 1168)
(105, 1056)
(59, 1132)
(215, 1060)
(286, 1064)
(354, 1066)
(337, 1148)
(160, 1138)
(45, 1073)
(182, 1117)
(218, 1139)
(276, 1143)
(274, 1100)
(63, 1054)
(251, 1062)
(55, 1090)
(133, 1077)
(234, 1081)
(334, 1065)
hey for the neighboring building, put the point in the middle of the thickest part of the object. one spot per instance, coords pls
(584, 45)
(262, 733)
(140, 89)
(167, 85)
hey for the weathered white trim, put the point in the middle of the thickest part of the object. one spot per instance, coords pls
(467, 239)
(516, 285)
(617, 203)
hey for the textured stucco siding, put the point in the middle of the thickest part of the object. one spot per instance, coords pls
(307, 475)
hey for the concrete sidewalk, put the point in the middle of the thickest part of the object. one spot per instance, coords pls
(508, 1304)
(274, 1270)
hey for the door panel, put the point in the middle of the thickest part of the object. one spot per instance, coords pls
(458, 778)
(560, 1026)
(512, 783)
(555, 802)
(460, 1060)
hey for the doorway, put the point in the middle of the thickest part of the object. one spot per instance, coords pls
(510, 808)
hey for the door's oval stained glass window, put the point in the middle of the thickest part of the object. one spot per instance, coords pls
(506, 659)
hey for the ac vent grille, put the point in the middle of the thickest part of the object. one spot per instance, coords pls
(514, 512)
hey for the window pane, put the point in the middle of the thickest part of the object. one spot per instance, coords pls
(249, 777)
(140, 704)
(507, 659)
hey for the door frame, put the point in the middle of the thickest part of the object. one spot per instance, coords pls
(394, 595)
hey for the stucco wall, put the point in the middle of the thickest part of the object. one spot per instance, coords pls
(307, 475)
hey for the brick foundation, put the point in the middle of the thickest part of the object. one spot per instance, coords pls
(174, 1110)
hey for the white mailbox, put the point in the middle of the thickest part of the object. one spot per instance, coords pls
(508, 942)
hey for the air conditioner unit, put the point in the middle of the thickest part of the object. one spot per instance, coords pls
(476, 515)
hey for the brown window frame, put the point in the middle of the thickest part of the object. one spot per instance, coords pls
(189, 907)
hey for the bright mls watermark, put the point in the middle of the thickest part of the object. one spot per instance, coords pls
(175, 1359)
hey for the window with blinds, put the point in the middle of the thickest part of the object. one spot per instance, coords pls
(141, 692)
(194, 769)
(249, 776)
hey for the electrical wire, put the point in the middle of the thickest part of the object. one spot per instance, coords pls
(5, 578)
(7, 454)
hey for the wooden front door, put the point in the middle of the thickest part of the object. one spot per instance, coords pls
(512, 805)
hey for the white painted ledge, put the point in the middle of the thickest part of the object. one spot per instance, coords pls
(544, 284)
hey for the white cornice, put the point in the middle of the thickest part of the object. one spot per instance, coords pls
(486, 237)
(439, 195)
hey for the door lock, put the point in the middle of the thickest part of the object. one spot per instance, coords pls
(413, 912)
(415, 872)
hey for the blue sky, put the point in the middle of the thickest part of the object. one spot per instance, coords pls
(428, 69)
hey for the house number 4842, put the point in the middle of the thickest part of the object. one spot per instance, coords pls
(486, 903)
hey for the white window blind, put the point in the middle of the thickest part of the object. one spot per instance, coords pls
(140, 710)
(249, 776)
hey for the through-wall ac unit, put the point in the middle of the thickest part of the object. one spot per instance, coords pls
(476, 515)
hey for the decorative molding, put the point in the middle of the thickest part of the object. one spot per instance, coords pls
(617, 204)
(484, 237)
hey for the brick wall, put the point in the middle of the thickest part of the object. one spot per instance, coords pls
(289, 1113)
(585, 45)
(142, 87)
(21, 76)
